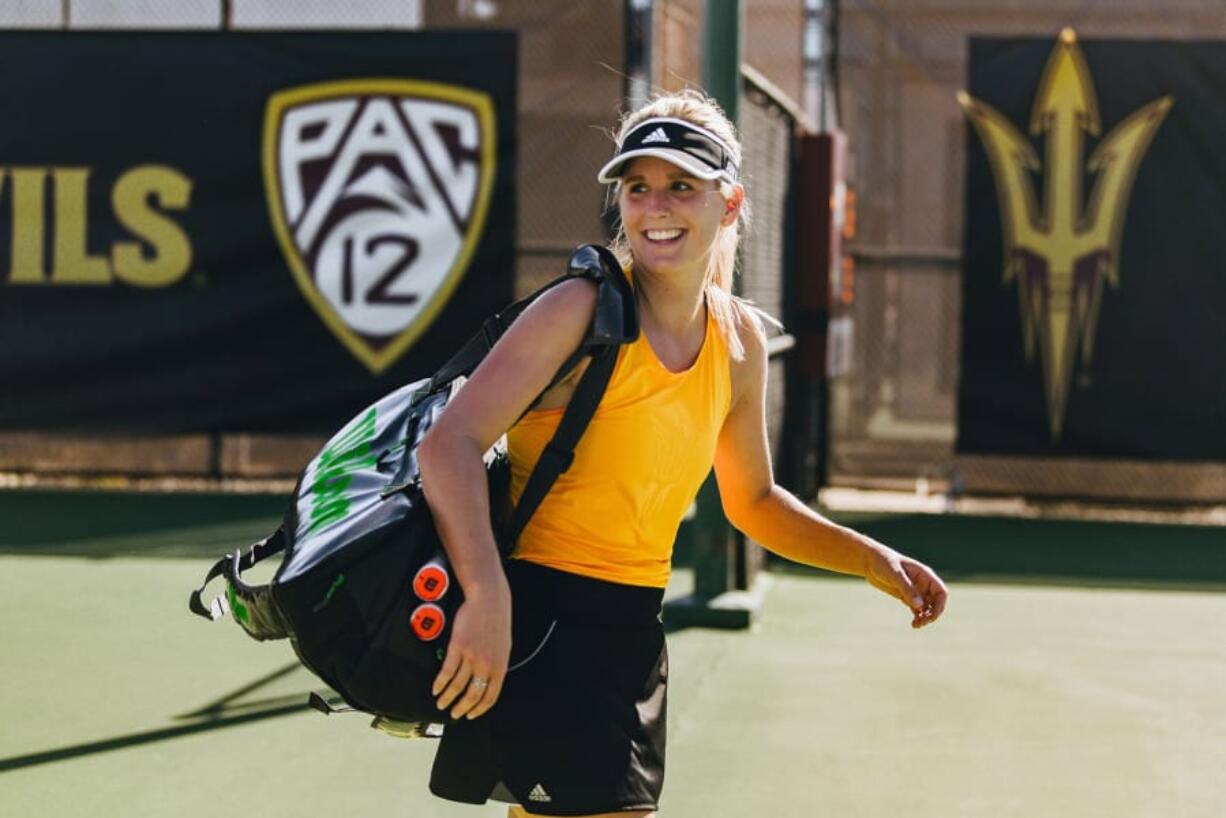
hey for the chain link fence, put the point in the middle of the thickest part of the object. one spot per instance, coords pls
(767, 133)
(893, 396)
(772, 42)
(768, 126)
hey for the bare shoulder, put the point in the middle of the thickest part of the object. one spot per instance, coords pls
(568, 304)
(576, 292)
(750, 370)
(751, 330)
(554, 323)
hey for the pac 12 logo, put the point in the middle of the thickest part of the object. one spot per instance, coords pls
(378, 191)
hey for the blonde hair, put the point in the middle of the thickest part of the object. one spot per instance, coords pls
(728, 310)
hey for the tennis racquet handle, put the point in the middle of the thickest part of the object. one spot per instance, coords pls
(428, 621)
(432, 580)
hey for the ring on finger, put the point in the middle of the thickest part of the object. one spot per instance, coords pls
(480, 684)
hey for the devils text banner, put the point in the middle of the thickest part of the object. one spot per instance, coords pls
(205, 232)
(1094, 276)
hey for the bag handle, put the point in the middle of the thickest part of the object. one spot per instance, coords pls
(232, 565)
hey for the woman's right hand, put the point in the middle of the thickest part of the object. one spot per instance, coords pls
(479, 651)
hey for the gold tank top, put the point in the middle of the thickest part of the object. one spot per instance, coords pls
(614, 515)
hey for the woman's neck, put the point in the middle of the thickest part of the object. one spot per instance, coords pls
(672, 303)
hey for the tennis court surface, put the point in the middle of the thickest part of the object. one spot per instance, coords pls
(1079, 687)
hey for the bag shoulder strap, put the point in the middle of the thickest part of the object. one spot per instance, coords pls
(615, 321)
(559, 452)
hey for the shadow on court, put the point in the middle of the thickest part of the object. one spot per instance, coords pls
(230, 710)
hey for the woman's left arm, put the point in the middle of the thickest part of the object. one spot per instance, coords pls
(774, 517)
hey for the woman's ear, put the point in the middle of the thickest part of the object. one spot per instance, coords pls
(732, 206)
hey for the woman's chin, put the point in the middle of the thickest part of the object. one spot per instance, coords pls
(662, 259)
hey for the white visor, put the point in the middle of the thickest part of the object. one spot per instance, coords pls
(695, 150)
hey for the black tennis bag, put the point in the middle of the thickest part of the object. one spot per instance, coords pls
(351, 594)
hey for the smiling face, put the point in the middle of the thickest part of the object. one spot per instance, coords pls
(670, 218)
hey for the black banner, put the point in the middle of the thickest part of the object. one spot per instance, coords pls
(1094, 278)
(245, 231)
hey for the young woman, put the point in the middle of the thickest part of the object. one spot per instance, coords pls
(557, 668)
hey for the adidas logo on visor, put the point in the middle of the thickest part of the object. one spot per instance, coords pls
(657, 135)
(683, 143)
(538, 794)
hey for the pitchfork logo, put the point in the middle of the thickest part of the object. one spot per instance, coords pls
(378, 191)
(1061, 254)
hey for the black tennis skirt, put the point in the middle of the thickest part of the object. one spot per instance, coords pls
(579, 727)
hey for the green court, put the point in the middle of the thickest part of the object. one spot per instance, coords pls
(1078, 672)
